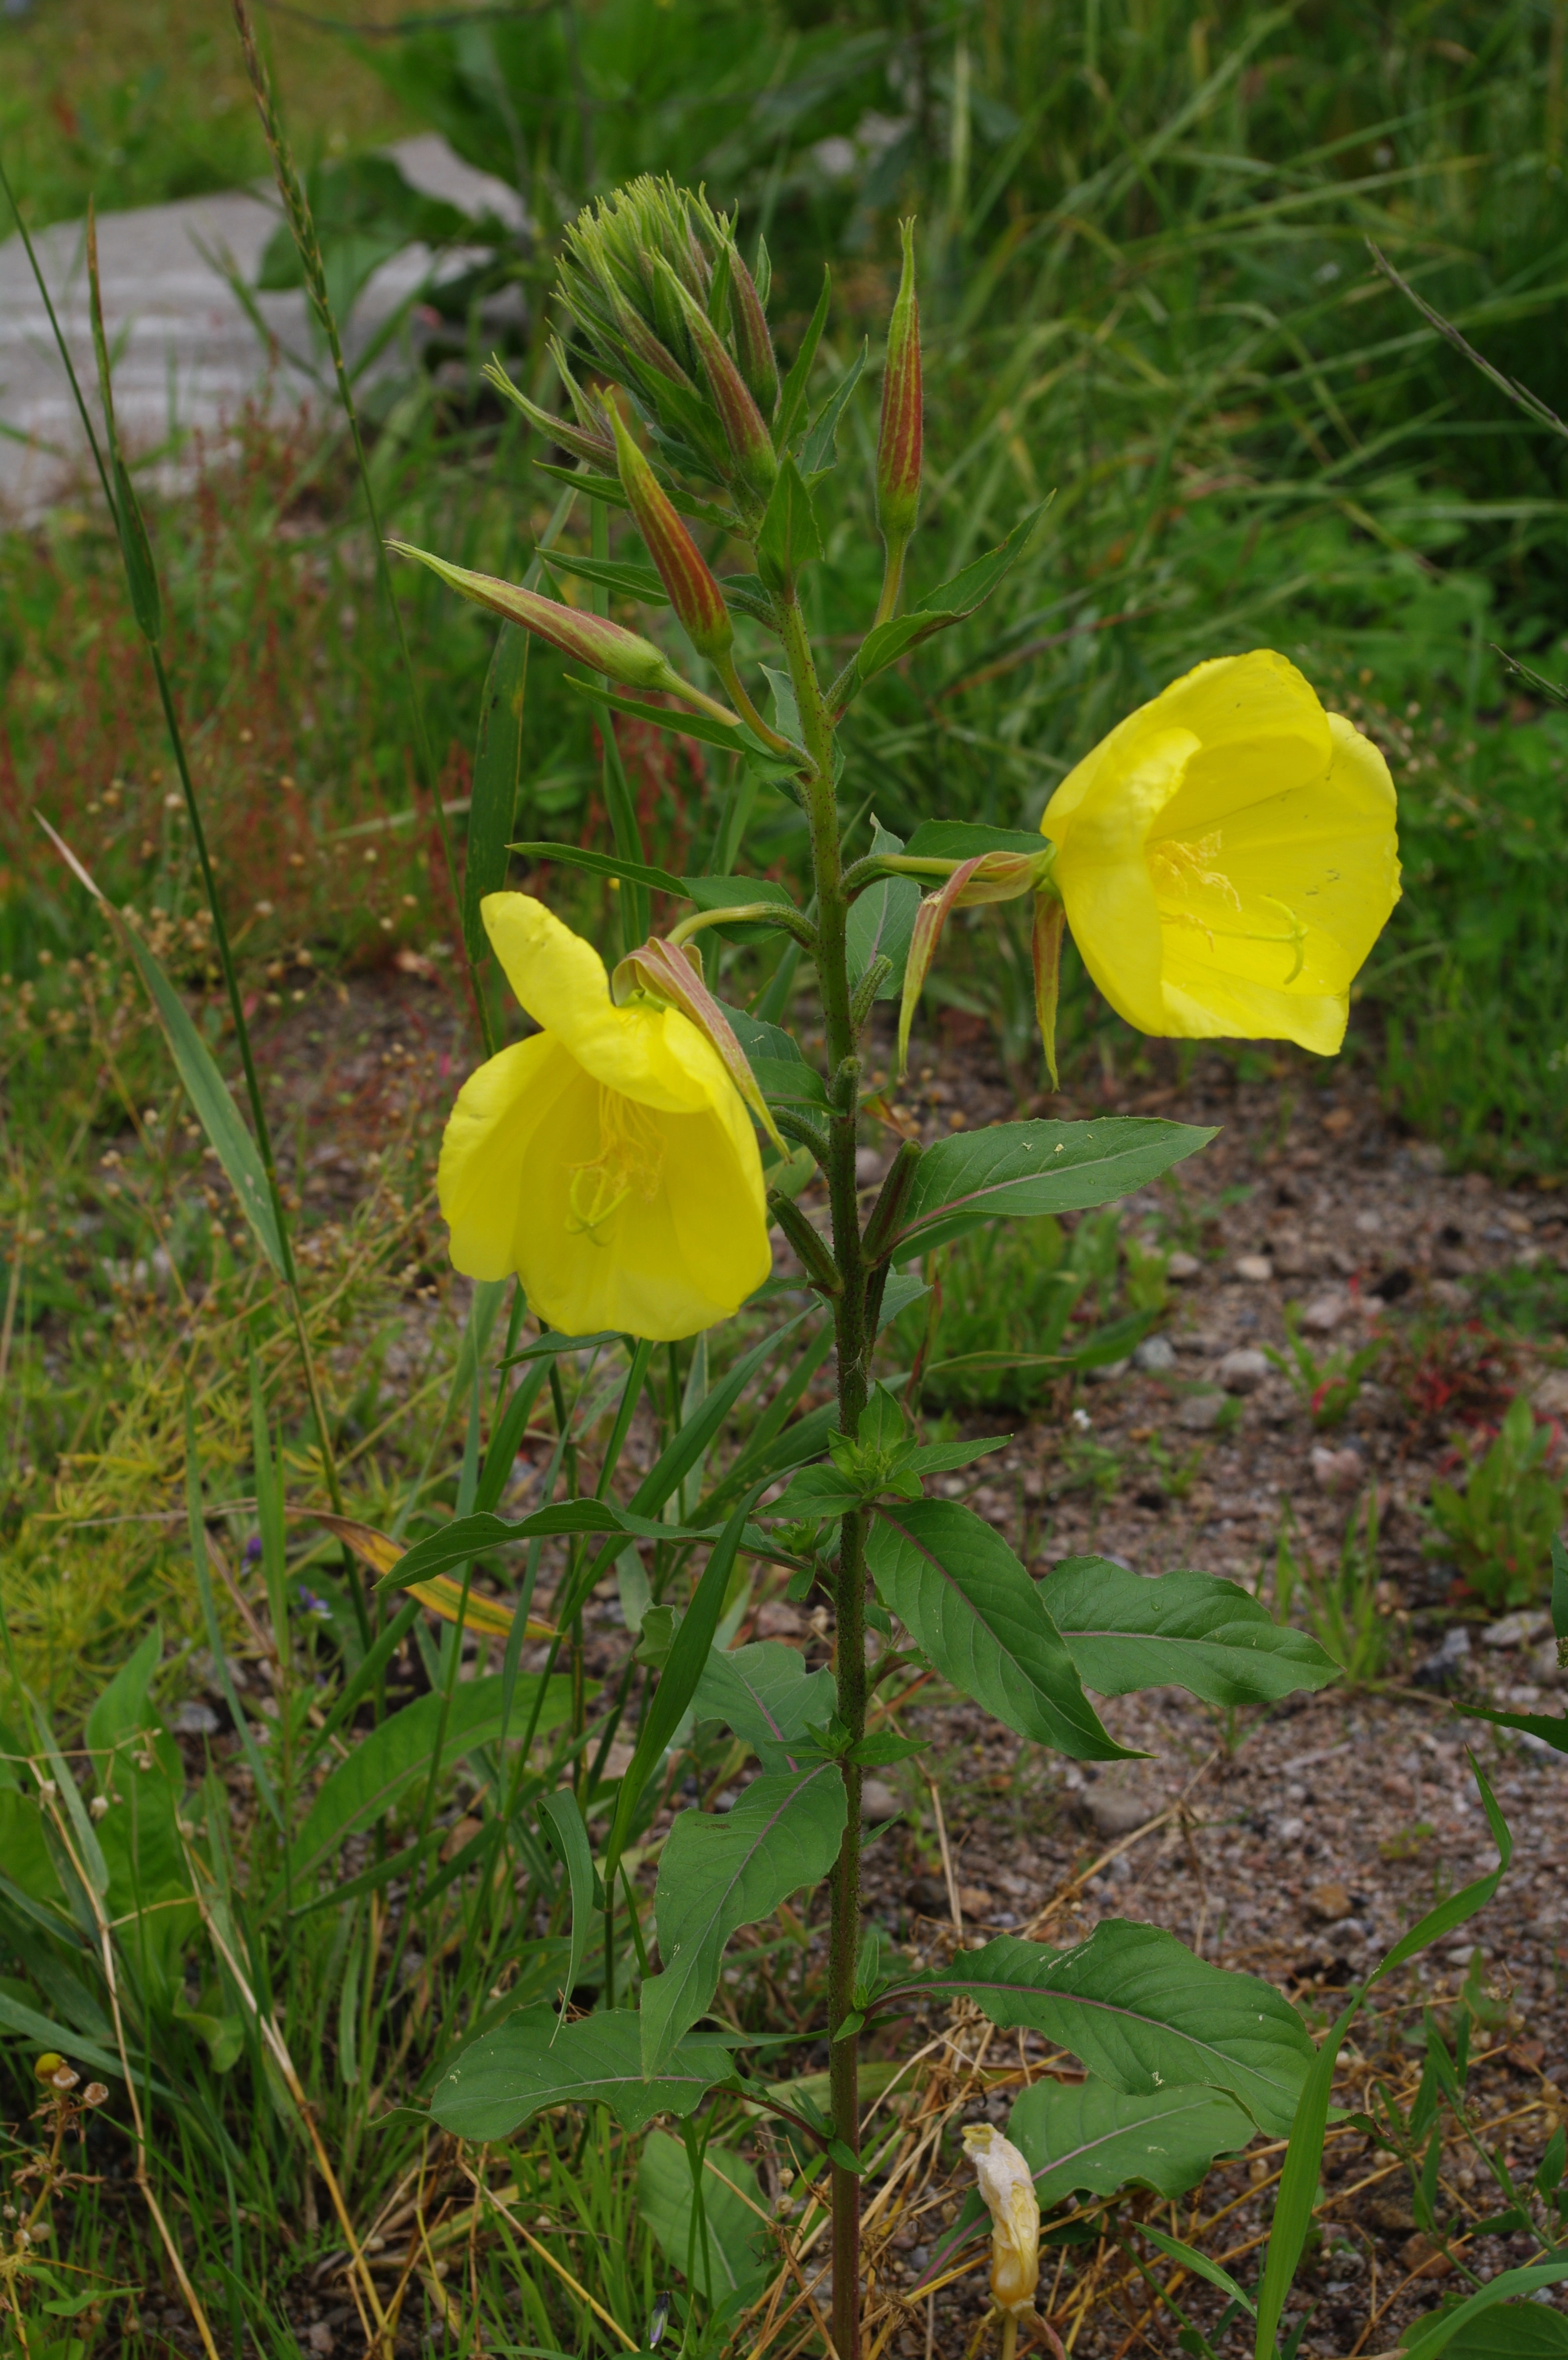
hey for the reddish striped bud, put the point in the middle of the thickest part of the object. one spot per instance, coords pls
(753, 345)
(694, 595)
(903, 419)
(750, 444)
(603, 646)
(671, 972)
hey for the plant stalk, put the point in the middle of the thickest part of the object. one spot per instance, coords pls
(850, 1323)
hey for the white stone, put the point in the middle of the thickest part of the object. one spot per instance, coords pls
(1155, 1355)
(1336, 1472)
(878, 1801)
(1324, 1314)
(1243, 1371)
(1517, 1630)
(1257, 1269)
(1182, 1268)
(1201, 1413)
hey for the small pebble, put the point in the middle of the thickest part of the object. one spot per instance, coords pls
(1183, 1268)
(1257, 1269)
(1155, 1355)
(1517, 1630)
(878, 1802)
(1324, 1314)
(1201, 1413)
(1243, 1371)
(1336, 1472)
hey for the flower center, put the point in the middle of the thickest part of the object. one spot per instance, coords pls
(631, 1161)
(1181, 868)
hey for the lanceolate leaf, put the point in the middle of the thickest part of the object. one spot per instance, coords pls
(533, 2060)
(498, 767)
(968, 1603)
(679, 719)
(1186, 1630)
(1019, 1169)
(564, 1814)
(719, 1871)
(1086, 2137)
(942, 608)
(1143, 2013)
(790, 537)
(737, 2239)
(956, 840)
(465, 1536)
(765, 1695)
(605, 864)
(1475, 2330)
(1551, 1728)
(881, 921)
(639, 582)
(382, 1765)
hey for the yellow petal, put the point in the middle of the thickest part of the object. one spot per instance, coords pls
(1104, 881)
(654, 1055)
(489, 1136)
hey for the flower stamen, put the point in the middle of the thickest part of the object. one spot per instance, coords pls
(631, 1161)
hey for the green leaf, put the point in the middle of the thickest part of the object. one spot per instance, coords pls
(737, 2242)
(639, 582)
(1468, 2335)
(789, 538)
(533, 2060)
(1199, 2264)
(816, 1491)
(39, 2032)
(564, 1814)
(605, 864)
(951, 603)
(817, 453)
(1140, 2011)
(497, 768)
(611, 494)
(765, 1695)
(1019, 1169)
(968, 1604)
(141, 574)
(792, 399)
(467, 1537)
(941, 1458)
(881, 922)
(954, 839)
(677, 1682)
(209, 1095)
(719, 1871)
(679, 719)
(1559, 1588)
(1089, 2137)
(383, 1763)
(1182, 1630)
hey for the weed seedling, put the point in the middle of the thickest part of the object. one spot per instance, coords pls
(1329, 1388)
(1499, 1526)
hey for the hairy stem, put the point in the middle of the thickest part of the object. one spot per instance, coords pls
(849, 1316)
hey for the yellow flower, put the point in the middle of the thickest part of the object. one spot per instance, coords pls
(1227, 857)
(1007, 2185)
(608, 1159)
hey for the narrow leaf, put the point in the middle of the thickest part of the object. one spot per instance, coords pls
(497, 769)
(789, 539)
(564, 1814)
(605, 864)
(719, 1871)
(679, 719)
(881, 921)
(792, 401)
(1020, 1169)
(968, 1604)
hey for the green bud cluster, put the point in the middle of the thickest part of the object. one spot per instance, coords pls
(664, 304)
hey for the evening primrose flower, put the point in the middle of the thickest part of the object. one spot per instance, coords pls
(1007, 2185)
(608, 1159)
(1227, 857)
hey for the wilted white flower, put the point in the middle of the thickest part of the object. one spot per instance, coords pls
(1007, 2186)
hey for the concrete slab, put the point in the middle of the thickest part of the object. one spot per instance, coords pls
(185, 355)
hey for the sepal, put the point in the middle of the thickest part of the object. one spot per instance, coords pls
(673, 974)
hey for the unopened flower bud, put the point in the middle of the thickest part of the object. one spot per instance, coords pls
(694, 594)
(1008, 2187)
(672, 973)
(899, 444)
(46, 2066)
(753, 345)
(603, 646)
(745, 431)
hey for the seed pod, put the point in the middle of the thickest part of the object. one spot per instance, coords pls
(899, 444)
(694, 595)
